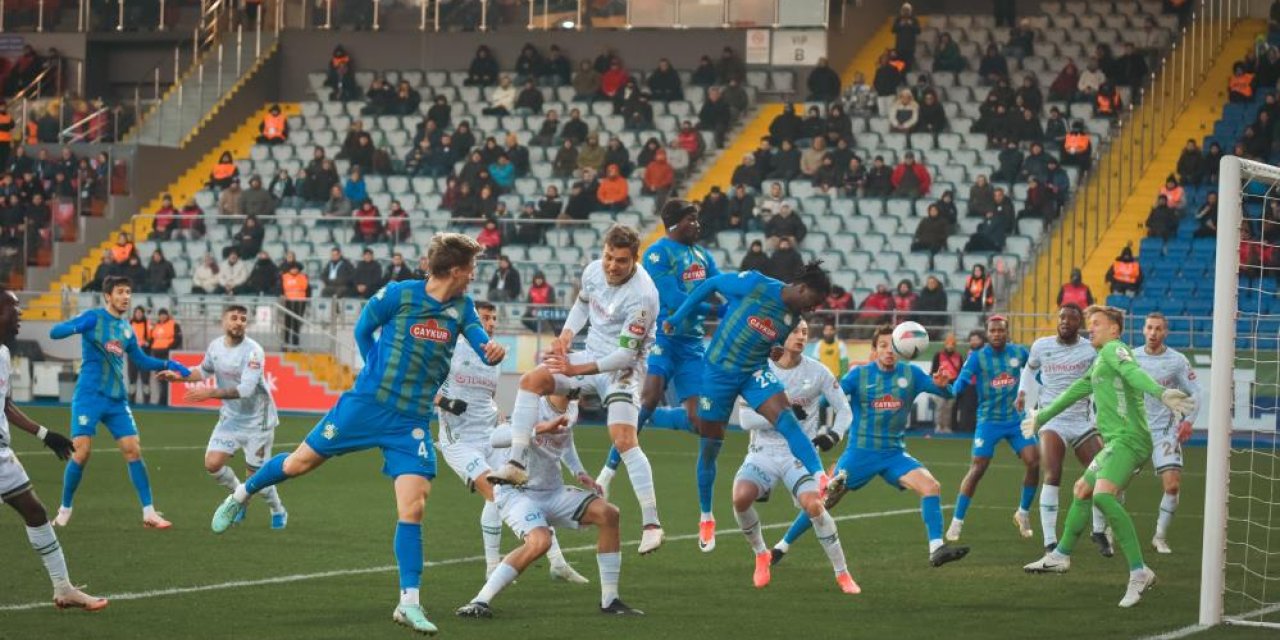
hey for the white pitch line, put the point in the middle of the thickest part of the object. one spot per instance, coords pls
(1193, 629)
(299, 577)
(145, 450)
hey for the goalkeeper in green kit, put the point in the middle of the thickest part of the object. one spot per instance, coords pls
(1117, 385)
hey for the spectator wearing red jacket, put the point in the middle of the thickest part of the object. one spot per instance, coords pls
(368, 223)
(613, 80)
(166, 220)
(904, 302)
(875, 309)
(910, 179)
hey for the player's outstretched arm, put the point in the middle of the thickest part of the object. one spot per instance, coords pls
(924, 383)
(967, 372)
(1079, 389)
(1029, 381)
(490, 351)
(79, 324)
(729, 286)
(146, 362)
(58, 443)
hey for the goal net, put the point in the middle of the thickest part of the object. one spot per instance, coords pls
(1241, 555)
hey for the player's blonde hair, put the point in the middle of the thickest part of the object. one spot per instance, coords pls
(1113, 314)
(449, 250)
(620, 236)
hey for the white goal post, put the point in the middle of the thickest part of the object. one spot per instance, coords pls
(1240, 561)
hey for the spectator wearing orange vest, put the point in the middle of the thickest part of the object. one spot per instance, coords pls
(1173, 193)
(1107, 102)
(166, 336)
(1075, 292)
(274, 128)
(978, 293)
(1077, 147)
(122, 249)
(224, 173)
(1240, 86)
(140, 378)
(296, 289)
(1125, 274)
(612, 193)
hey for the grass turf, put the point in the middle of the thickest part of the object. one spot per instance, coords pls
(342, 520)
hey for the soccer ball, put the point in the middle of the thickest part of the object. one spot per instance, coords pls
(910, 339)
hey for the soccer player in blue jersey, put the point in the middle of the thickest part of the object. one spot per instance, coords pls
(760, 313)
(995, 371)
(882, 393)
(102, 394)
(406, 335)
(677, 266)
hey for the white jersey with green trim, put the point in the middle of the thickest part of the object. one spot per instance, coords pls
(618, 316)
(1172, 370)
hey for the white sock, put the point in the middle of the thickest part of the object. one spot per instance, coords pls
(148, 511)
(641, 474)
(524, 415)
(502, 576)
(825, 528)
(707, 516)
(1168, 504)
(491, 534)
(1099, 521)
(409, 596)
(749, 522)
(240, 494)
(782, 546)
(1049, 514)
(272, 497)
(1137, 573)
(45, 542)
(934, 545)
(554, 554)
(225, 477)
(610, 568)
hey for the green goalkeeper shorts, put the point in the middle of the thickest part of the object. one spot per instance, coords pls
(1116, 464)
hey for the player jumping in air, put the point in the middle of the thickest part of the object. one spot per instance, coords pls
(769, 461)
(995, 370)
(247, 420)
(102, 394)
(883, 392)
(760, 313)
(619, 301)
(1168, 431)
(15, 488)
(677, 266)
(468, 417)
(406, 335)
(544, 501)
(1053, 364)
(1116, 384)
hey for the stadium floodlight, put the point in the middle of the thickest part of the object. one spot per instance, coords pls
(1240, 562)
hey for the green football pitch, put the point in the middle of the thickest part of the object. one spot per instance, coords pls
(331, 573)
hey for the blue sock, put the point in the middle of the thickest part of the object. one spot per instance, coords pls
(271, 473)
(408, 546)
(798, 528)
(1028, 495)
(931, 511)
(674, 418)
(962, 506)
(614, 458)
(798, 442)
(141, 483)
(71, 482)
(708, 451)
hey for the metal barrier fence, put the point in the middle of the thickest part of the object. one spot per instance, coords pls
(427, 15)
(1122, 160)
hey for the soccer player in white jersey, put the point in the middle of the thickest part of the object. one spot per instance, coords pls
(1168, 430)
(543, 501)
(620, 302)
(1054, 363)
(15, 487)
(468, 416)
(247, 420)
(769, 460)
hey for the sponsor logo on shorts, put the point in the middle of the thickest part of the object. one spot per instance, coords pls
(704, 403)
(1004, 380)
(886, 403)
(977, 442)
(83, 420)
(329, 431)
(114, 347)
(763, 326)
(696, 271)
(430, 330)
(418, 433)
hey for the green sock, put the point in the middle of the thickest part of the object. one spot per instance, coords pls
(1079, 517)
(1122, 529)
